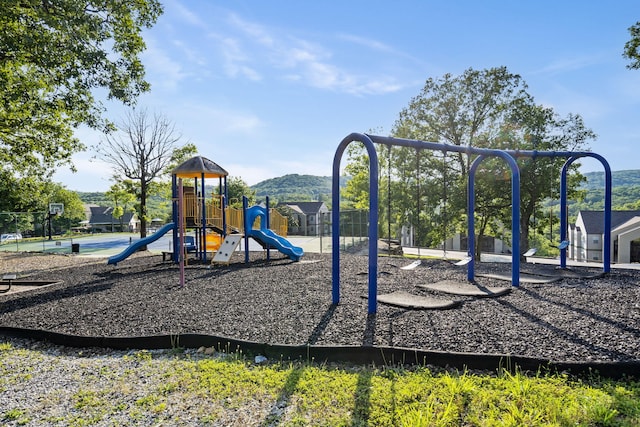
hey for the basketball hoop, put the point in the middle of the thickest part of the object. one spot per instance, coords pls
(56, 209)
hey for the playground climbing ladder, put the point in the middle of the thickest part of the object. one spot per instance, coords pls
(228, 246)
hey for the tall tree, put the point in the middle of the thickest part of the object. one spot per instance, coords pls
(73, 207)
(141, 150)
(632, 47)
(31, 196)
(237, 187)
(53, 54)
(490, 109)
(161, 188)
(536, 127)
(122, 200)
(458, 110)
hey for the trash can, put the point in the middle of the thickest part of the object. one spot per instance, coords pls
(75, 248)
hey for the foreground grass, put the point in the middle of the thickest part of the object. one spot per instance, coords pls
(184, 388)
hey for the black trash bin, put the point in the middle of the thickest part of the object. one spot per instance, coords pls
(75, 248)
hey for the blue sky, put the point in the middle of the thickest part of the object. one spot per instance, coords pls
(268, 88)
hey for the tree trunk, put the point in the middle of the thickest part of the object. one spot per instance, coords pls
(143, 212)
(480, 235)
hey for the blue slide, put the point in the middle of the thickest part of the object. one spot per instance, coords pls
(267, 236)
(131, 249)
(270, 238)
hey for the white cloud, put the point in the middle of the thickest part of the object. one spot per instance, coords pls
(164, 71)
(92, 174)
(235, 60)
(221, 121)
(367, 42)
(255, 52)
(303, 61)
(256, 32)
(185, 14)
(626, 85)
(567, 64)
(251, 174)
(192, 55)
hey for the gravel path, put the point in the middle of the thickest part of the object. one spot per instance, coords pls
(283, 302)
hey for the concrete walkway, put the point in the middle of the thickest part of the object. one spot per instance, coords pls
(489, 257)
(107, 244)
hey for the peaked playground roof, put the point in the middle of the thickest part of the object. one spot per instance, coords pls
(195, 167)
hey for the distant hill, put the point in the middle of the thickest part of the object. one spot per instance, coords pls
(625, 191)
(595, 180)
(300, 188)
(294, 187)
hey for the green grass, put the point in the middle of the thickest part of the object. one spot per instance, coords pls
(173, 388)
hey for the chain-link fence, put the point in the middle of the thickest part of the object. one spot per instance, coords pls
(35, 232)
(32, 232)
(354, 229)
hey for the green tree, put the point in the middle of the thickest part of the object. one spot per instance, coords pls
(30, 195)
(73, 207)
(632, 47)
(140, 151)
(535, 127)
(122, 200)
(356, 191)
(53, 55)
(236, 188)
(427, 189)
(462, 111)
(160, 189)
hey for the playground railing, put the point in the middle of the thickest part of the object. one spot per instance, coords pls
(234, 220)
(278, 222)
(214, 215)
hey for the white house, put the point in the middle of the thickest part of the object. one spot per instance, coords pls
(587, 234)
(311, 218)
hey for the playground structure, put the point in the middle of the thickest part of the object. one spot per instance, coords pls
(212, 219)
(509, 156)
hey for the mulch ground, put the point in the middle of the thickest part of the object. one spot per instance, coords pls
(285, 302)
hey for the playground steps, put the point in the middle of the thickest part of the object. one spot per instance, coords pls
(228, 246)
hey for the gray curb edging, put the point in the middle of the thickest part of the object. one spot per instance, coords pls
(361, 355)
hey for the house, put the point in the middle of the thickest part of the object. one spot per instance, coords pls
(310, 218)
(587, 234)
(101, 220)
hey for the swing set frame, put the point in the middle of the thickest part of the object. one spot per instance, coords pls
(509, 156)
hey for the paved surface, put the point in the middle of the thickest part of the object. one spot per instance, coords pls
(108, 244)
(486, 257)
(101, 245)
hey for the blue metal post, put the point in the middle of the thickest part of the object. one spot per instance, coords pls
(471, 227)
(267, 225)
(507, 155)
(204, 220)
(606, 249)
(606, 244)
(373, 220)
(247, 227)
(515, 214)
(564, 220)
(515, 219)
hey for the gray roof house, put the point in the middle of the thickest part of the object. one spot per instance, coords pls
(312, 218)
(101, 220)
(587, 234)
